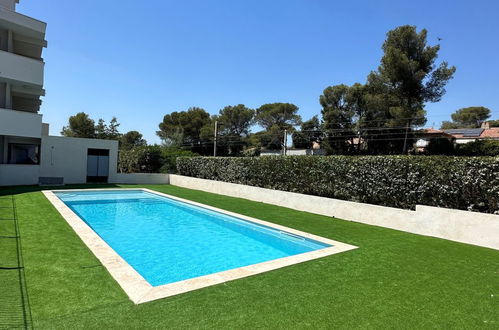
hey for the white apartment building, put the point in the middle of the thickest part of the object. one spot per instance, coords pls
(28, 154)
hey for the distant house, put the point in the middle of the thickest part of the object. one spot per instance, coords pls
(316, 150)
(465, 135)
(426, 135)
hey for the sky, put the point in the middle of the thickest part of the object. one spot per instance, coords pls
(140, 60)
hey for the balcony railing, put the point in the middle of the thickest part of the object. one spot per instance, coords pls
(19, 123)
(20, 68)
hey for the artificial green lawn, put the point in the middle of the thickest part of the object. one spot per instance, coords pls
(394, 280)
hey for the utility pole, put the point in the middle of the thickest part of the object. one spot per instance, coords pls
(215, 140)
(284, 145)
(405, 139)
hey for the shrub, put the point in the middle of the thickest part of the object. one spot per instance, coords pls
(169, 157)
(441, 147)
(144, 159)
(397, 181)
(150, 159)
(479, 148)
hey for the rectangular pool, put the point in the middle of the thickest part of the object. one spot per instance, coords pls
(168, 240)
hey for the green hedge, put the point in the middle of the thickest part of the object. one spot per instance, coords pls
(469, 183)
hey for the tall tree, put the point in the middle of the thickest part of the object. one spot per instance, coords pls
(184, 126)
(100, 129)
(234, 124)
(275, 118)
(79, 125)
(410, 76)
(113, 132)
(107, 132)
(132, 139)
(236, 120)
(337, 114)
(471, 117)
(281, 115)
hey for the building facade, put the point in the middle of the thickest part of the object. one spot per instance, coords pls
(28, 155)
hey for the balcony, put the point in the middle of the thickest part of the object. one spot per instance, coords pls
(22, 24)
(19, 123)
(16, 68)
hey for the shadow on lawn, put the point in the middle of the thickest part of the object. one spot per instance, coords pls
(14, 301)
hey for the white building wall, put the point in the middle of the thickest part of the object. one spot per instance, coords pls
(18, 175)
(67, 157)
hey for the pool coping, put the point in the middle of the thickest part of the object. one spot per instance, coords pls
(140, 291)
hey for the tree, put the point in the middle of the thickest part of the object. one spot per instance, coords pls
(80, 126)
(236, 120)
(234, 123)
(112, 132)
(493, 123)
(471, 117)
(272, 139)
(280, 115)
(337, 114)
(450, 125)
(184, 126)
(275, 118)
(100, 129)
(132, 139)
(410, 77)
(310, 131)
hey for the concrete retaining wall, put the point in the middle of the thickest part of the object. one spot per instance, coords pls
(142, 178)
(456, 225)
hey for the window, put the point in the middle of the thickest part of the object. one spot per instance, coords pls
(28, 154)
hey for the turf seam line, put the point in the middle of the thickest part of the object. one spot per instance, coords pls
(11, 268)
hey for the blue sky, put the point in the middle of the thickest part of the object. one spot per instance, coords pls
(140, 60)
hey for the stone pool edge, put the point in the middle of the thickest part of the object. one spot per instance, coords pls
(140, 291)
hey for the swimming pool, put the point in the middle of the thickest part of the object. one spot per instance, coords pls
(167, 240)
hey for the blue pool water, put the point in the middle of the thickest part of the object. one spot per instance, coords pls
(167, 241)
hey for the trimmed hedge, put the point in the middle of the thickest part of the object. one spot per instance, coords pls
(469, 183)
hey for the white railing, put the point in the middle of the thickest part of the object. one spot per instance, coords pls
(20, 123)
(21, 68)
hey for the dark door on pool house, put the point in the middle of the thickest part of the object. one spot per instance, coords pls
(97, 165)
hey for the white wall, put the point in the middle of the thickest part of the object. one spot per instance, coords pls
(14, 175)
(456, 225)
(19, 123)
(142, 178)
(67, 157)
